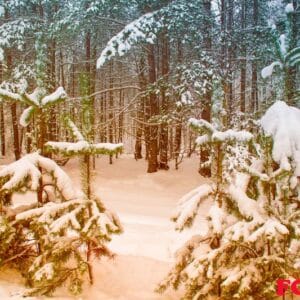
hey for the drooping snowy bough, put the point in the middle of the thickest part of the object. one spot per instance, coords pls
(36, 104)
(48, 242)
(253, 236)
(81, 146)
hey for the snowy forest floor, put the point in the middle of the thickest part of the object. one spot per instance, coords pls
(144, 252)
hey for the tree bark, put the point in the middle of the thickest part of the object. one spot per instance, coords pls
(178, 126)
(223, 64)
(291, 72)
(140, 111)
(254, 90)
(13, 105)
(2, 121)
(52, 125)
(230, 10)
(207, 97)
(110, 108)
(164, 139)
(243, 61)
(153, 110)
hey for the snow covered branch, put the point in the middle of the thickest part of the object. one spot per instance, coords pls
(142, 29)
(25, 172)
(282, 123)
(188, 205)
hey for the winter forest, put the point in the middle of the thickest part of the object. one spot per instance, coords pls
(149, 150)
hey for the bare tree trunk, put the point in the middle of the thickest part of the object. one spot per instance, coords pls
(223, 63)
(110, 108)
(164, 139)
(206, 106)
(2, 121)
(52, 125)
(13, 105)
(254, 91)
(13, 111)
(178, 126)
(243, 61)
(121, 118)
(140, 111)
(291, 72)
(230, 10)
(153, 109)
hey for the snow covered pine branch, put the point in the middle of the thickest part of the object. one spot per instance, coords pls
(36, 100)
(48, 241)
(82, 146)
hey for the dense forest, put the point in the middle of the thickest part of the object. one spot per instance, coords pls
(216, 81)
(183, 59)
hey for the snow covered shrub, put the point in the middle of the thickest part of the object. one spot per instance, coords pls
(253, 236)
(51, 242)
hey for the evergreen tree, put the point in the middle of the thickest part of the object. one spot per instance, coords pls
(253, 236)
(47, 241)
(287, 53)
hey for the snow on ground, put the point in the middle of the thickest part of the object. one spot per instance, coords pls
(144, 252)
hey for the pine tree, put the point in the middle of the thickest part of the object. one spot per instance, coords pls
(253, 236)
(85, 149)
(287, 54)
(52, 240)
(47, 241)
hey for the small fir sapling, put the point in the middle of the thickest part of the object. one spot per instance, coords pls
(48, 242)
(85, 148)
(253, 222)
(51, 241)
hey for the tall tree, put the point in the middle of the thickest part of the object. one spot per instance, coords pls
(164, 140)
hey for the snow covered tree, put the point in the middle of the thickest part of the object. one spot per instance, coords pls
(85, 149)
(287, 53)
(253, 223)
(48, 242)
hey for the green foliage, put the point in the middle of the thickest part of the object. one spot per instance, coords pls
(253, 236)
(48, 242)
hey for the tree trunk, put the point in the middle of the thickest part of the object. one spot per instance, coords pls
(291, 72)
(205, 170)
(178, 126)
(164, 140)
(13, 105)
(52, 125)
(243, 61)
(16, 142)
(2, 121)
(230, 10)
(153, 109)
(254, 91)
(140, 111)
(110, 108)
